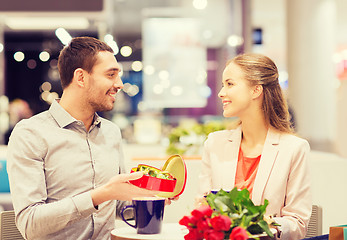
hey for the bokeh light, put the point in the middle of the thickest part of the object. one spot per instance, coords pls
(126, 51)
(19, 56)
(44, 56)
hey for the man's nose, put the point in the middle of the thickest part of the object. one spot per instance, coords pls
(118, 83)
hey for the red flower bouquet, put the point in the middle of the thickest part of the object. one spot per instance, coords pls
(227, 215)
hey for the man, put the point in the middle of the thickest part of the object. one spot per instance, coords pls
(65, 164)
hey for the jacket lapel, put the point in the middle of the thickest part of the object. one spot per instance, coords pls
(267, 160)
(232, 151)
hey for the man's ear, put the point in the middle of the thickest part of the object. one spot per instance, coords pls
(79, 77)
(257, 91)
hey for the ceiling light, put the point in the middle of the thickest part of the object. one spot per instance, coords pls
(42, 23)
(108, 37)
(235, 40)
(109, 40)
(200, 4)
(63, 36)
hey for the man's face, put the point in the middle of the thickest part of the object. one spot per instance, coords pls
(103, 82)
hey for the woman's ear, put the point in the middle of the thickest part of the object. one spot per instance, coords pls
(79, 77)
(257, 91)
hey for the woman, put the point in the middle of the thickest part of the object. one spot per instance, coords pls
(262, 154)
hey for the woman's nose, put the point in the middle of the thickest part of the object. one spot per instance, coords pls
(221, 93)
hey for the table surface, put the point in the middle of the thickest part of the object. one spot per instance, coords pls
(170, 231)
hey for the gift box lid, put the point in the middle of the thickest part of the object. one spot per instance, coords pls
(176, 166)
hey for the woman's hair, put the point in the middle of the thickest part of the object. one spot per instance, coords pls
(80, 53)
(259, 69)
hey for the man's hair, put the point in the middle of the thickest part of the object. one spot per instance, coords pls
(81, 52)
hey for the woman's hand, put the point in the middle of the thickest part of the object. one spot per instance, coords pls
(169, 200)
(200, 201)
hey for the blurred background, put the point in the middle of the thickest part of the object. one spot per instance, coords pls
(172, 54)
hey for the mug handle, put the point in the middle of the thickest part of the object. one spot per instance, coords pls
(126, 220)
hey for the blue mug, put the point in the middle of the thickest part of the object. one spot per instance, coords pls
(148, 213)
(214, 191)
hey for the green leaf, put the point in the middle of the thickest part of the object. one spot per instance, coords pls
(222, 204)
(233, 194)
(263, 224)
(250, 218)
(255, 229)
(210, 200)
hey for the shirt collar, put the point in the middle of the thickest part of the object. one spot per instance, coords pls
(97, 120)
(63, 118)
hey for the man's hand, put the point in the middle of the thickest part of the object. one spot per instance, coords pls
(119, 188)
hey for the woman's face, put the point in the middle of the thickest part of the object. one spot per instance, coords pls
(236, 93)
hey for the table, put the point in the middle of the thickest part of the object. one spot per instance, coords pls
(169, 231)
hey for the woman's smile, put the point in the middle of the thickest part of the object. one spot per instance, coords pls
(226, 103)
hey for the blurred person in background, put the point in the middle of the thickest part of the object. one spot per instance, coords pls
(18, 109)
(65, 165)
(262, 154)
